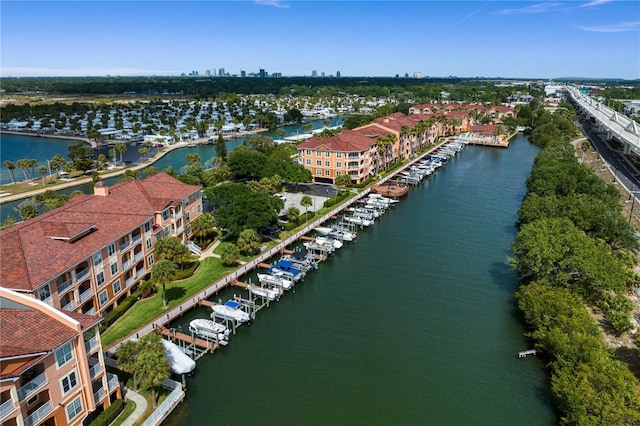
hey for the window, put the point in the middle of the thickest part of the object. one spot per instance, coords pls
(327, 163)
(186, 201)
(338, 155)
(339, 164)
(114, 268)
(188, 229)
(308, 152)
(308, 161)
(44, 292)
(187, 215)
(167, 230)
(199, 208)
(100, 278)
(69, 382)
(148, 243)
(327, 154)
(318, 154)
(327, 173)
(198, 194)
(63, 354)
(147, 226)
(318, 172)
(338, 173)
(97, 259)
(103, 297)
(318, 162)
(165, 214)
(117, 286)
(111, 249)
(158, 236)
(74, 408)
(150, 260)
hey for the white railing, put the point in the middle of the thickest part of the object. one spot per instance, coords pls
(43, 411)
(70, 306)
(179, 229)
(98, 395)
(95, 371)
(64, 286)
(91, 311)
(91, 344)
(32, 386)
(85, 295)
(140, 272)
(129, 281)
(80, 275)
(136, 239)
(138, 256)
(125, 245)
(6, 408)
(167, 406)
(126, 265)
(112, 381)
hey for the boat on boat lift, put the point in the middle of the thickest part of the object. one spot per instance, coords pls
(210, 330)
(269, 293)
(231, 311)
(275, 280)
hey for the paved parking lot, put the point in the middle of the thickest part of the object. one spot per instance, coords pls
(293, 200)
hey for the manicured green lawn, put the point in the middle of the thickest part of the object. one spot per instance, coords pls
(145, 311)
(129, 407)
(218, 250)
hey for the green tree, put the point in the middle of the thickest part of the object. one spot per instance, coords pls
(261, 143)
(246, 163)
(150, 171)
(131, 174)
(221, 148)
(306, 201)
(343, 181)
(121, 148)
(162, 273)
(126, 356)
(249, 242)
(8, 222)
(230, 255)
(203, 225)
(27, 210)
(171, 248)
(151, 364)
(293, 214)
(11, 166)
(43, 173)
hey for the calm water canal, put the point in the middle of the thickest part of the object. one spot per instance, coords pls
(414, 324)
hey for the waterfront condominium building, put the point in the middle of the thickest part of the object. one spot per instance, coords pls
(51, 362)
(88, 255)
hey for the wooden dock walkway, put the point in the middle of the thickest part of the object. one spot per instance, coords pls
(524, 354)
(174, 335)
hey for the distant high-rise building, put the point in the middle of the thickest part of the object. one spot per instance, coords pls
(207, 73)
(417, 75)
(338, 74)
(221, 72)
(276, 75)
(262, 73)
(243, 73)
(406, 75)
(314, 73)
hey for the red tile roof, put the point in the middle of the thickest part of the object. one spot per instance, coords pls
(346, 141)
(30, 257)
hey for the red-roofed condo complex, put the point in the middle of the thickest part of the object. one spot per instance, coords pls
(89, 254)
(51, 364)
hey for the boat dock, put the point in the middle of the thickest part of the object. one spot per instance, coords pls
(260, 261)
(193, 346)
(524, 354)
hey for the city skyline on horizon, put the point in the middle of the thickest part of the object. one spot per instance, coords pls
(596, 39)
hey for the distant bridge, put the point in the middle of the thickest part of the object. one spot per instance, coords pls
(615, 124)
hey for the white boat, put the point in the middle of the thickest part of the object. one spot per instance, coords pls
(179, 362)
(358, 220)
(264, 292)
(210, 330)
(329, 242)
(383, 199)
(279, 281)
(231, 311)
(336, 233)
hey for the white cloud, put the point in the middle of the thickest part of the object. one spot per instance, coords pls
(613, 28)
(272, 3)
(531, 10)
(595, 3)
(78, 72)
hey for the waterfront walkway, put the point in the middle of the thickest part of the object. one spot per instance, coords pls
(141, 407)
(216, 286)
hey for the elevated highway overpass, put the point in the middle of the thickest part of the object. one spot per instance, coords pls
(617, 125)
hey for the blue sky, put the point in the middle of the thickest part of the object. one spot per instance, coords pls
(519, 39)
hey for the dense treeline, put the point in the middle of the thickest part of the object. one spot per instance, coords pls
(575, 250)
(203, 87)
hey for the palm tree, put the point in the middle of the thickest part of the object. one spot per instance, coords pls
(152, 368)
(11, 166)
(306, 201)
(162, 273)
(203, 225)
(121, 148)
(24, 165)
(112, 154)
(43, 172)
(126, 356)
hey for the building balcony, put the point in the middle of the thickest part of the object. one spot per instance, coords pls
(85, 295)
(82, 274)
(95, 370)
(138, 256)
(70, 306)
(177, 215)
(6, 408)
(129, 281)
(125, 246)
(113, 381)
(136, 239)
(40, 414)
(98, 395)
(126, 265)
(140, 272)
(91, 345)
(91, 311)
(179, 229)
(32, 386)
(65, 286)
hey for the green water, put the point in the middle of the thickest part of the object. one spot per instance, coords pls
(415, 324)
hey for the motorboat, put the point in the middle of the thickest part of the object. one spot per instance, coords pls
(335, 233)
(328, 241)
(179, 362)
(285, 268)
(209, 329)
(358, 220)
(274, 280)
(264, 292)
(231, 311)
